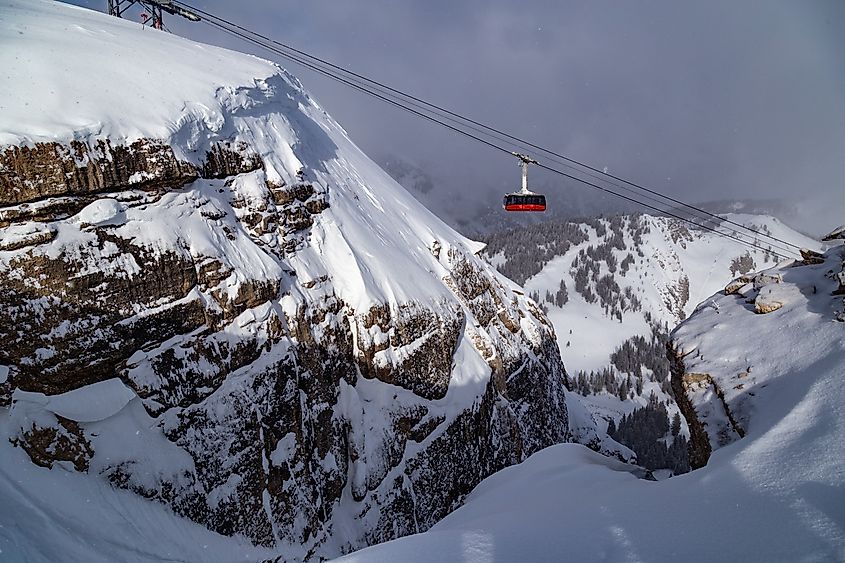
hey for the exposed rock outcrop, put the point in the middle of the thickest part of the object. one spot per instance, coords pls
(61, 441)
(81, 168)
(699, 442)
(835, 234)
(811, 256)
(226, 158)
(840, 280)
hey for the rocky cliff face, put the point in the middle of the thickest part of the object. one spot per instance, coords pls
(286, 404)
(248, 321)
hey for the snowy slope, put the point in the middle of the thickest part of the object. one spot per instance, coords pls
(774, 495)
(58, 515)
(671, 269)
(297, 347)
(671, 252)
(788, 315)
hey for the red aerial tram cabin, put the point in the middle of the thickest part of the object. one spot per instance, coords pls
(524, 200)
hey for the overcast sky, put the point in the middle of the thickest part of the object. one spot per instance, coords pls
(701, 100)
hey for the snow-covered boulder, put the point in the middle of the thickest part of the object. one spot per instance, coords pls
(771, 298)
(739, 285)
(764, 290)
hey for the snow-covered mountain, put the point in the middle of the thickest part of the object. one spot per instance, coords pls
(213, 301)
(765, 388)
(614, 288)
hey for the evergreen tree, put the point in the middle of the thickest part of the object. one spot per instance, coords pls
(645, 430)
(623, 391)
